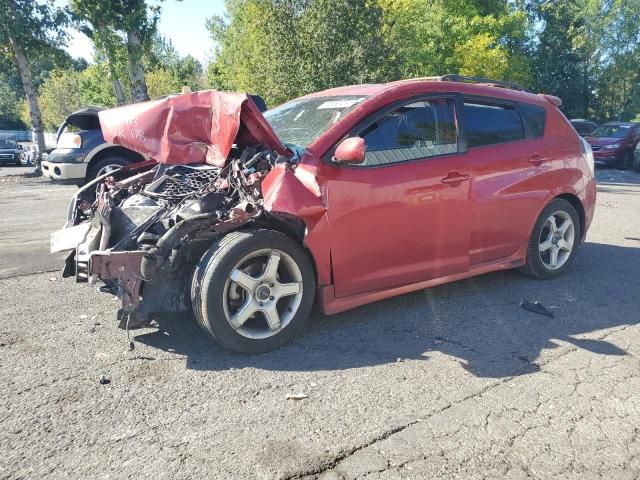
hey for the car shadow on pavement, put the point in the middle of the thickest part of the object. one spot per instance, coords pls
(478, 322)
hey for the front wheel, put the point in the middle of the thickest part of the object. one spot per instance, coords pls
(253, 291)
(106, 165)
(554, 240)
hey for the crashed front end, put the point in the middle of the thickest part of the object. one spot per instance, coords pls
(142, 229)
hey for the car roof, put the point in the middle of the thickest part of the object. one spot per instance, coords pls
(432, 83)
(628, 124)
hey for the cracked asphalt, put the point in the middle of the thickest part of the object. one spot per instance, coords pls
(456, 381)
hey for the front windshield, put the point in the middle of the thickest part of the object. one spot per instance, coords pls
(300, 122)
(611, 131)
(7, 143)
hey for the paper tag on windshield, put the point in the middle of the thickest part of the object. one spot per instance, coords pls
(339, 104)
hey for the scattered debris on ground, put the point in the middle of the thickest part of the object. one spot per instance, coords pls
(537, 307)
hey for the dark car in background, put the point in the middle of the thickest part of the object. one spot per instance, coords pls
(81, 152)
(10, 151)
(583, 127)
(613, 143)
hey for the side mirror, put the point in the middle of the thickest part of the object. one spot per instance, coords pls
(350, 150)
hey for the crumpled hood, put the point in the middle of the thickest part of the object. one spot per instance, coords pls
(190, 128)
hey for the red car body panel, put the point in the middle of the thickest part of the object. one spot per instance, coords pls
(386, 232)
(378, 232)
(190, 128)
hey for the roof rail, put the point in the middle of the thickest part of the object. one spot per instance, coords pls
(454, 77)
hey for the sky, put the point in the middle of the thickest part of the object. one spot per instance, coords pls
(182, 22)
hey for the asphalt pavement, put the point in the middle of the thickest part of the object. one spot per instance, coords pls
(456, 381)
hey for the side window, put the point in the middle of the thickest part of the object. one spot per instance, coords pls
(418, 130)
(536, 117)
(491, 124)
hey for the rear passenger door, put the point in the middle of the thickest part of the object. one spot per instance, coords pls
(511, 169)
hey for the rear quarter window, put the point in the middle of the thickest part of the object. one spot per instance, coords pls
(536, 118)
(486, 124)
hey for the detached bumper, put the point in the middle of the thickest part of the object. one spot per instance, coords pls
(73, 173)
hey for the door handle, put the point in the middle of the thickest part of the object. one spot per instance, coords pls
(537, 159)
(455, 177)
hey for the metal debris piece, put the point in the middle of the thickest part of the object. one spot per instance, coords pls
(537, 307)
(296, 396)
(104, 380)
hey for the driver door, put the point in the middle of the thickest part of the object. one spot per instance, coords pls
(402, 216)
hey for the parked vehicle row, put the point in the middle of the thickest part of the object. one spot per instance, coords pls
(583, 127)
(10, 151)
(613, 143)
(345, 196)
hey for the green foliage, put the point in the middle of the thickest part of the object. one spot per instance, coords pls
(285, 48)
(589, 55)
(9, 105)
(478, 38)
(34, 25)
(59, 96)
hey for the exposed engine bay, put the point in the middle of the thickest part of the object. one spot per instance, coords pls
(130, 227)
(215, 165)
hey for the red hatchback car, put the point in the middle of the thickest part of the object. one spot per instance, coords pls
(346, 196)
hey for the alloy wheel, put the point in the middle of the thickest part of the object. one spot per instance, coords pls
(107, 169)
(556, 240)
(262, 293)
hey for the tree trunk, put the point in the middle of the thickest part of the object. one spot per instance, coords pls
(117, 88)
(136, 69)
(32, 99)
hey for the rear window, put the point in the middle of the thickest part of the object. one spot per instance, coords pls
(536, 118)
(491, 124)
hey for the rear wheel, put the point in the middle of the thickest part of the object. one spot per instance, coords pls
(636, 161)
(554, 240)
(106, 165)
(625, 161)
(253, 291)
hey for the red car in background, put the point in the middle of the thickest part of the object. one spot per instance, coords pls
(347, 196)
(613, 143)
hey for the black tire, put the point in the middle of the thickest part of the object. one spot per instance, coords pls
(625, 161)
(535, 267)
(636, 161)
(210, 277)
(99, 165)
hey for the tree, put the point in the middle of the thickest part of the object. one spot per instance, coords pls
(284, 48)
(111, 24)
(28, 26)
(9, 105)
(618, 66)
(90, 19)
(66, 91)
(59, 96)
(473, 37)
(564, 56)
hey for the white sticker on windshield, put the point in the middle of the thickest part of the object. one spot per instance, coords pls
(339, 104)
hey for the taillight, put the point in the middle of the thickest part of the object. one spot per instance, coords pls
(587, 153)
(69, 140)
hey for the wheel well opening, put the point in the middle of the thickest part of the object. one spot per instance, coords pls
(114, 151)
(290, 226)
(577, 204)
